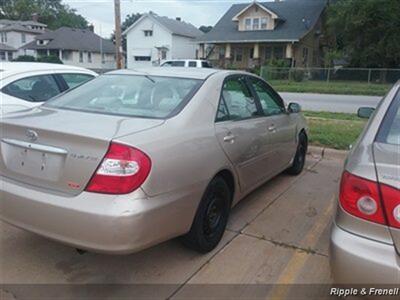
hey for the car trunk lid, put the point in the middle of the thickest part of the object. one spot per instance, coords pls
(60, 149)
(387, 161)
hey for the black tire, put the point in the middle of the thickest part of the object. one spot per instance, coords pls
(211, 217)
(300, 157)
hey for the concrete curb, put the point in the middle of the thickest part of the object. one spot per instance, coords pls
(327, 152)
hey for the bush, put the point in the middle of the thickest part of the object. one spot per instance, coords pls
(297, 75)
(50, 59)
(25, 58)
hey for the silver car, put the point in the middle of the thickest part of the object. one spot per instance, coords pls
(365, 238)
(134, 158)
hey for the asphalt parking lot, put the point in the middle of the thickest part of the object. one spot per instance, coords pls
(277, 235)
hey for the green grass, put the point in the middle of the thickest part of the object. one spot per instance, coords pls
(333, 87)
(334, 130)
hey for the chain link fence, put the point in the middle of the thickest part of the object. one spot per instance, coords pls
(361, 75)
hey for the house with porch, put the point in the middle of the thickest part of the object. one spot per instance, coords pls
(250, 35)
(15, 34)
(76, 47)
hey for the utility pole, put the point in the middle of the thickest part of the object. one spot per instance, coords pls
(117, 8)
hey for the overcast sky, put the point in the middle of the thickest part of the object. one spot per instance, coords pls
(198, 12)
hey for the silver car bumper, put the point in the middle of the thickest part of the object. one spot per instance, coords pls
(358, 260)
(97, 222)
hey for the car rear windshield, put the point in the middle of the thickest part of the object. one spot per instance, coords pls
(389, 131)
(130, 95)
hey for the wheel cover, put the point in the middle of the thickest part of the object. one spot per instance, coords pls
(213, 216)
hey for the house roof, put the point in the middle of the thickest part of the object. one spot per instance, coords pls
(174, 26)
(297, 17)
(4, 47)
(66, 38)
(20, 28)
(26, 23)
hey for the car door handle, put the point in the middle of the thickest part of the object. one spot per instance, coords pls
(229, 138)
(272, 128)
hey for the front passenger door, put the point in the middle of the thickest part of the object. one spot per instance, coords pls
(281, 126)
(241, 131)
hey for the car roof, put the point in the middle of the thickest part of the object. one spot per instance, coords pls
(194, 73)
(12, 68)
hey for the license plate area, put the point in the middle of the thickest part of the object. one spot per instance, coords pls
(33, 160)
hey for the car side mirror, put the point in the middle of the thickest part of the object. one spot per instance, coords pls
(365, 112)
(294, 108)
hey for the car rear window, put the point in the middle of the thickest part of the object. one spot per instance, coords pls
(389, 132)
(130, 95)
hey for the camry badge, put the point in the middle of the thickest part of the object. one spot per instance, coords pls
(31, 135)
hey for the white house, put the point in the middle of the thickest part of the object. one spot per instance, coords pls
(76, 47)
(154, 38)
(15, 34)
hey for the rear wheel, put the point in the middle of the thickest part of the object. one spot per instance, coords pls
(211, 217)
(300, 157)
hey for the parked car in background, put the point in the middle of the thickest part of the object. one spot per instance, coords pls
(188, 63)
(144, 156)
(365, 238)
(24, 85)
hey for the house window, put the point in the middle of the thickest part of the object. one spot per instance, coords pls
(279, 52)
(89, 57)
(23, 38)
(148, 32)
(2, 55)
(238, 54)
(10, 55)
(256, 24)
(247, 24)
(305, 55)
(3, 37)
(142, 58)
(163, 54)
(80, 56)
(251, 53)
(264, 22)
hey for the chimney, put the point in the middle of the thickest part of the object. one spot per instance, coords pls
(178, 19)
(35, 17)
(91, 27)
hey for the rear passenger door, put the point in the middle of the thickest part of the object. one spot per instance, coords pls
(241, 131)
(280, 126)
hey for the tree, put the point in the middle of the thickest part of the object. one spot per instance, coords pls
(50, 12)
(366, 32)
(129, 20)
(205, 29)
(25, 58)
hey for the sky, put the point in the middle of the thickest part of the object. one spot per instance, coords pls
(198, 12)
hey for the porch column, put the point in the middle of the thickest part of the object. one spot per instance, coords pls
(227, 59)
(256, 53)
(201, 51)
(290, 53)
(60, 54)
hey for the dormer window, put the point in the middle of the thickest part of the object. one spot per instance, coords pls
(256, 24)
(248, 24)
(264, 22)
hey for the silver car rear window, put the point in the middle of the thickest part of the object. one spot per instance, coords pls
(130, 95)
(389, 132)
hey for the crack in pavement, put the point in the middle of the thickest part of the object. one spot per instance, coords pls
(237, 233)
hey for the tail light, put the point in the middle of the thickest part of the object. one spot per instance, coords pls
(360, 198)
(369, 200)
(122, 171)
(391, 198)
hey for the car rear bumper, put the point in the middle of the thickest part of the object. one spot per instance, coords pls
(97, 222)
(358, 260)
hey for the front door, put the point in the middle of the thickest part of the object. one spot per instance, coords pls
(241, 131)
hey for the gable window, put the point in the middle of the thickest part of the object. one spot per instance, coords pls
(23, 38)
(264, 22)
(4, 37)
(256, 23)
(247, 24)
(80, 56)
(148, 32)
(89, 57)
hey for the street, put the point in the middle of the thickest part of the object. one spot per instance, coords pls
(279, 234)
(331, 103)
